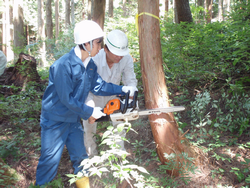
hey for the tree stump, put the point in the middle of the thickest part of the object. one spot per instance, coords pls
(23, 72)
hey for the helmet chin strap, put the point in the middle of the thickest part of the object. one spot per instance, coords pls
(91, 46)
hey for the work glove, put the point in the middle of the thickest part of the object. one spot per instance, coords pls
(132, 90)
(97, 113)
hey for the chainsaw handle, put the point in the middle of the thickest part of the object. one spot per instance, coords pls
(124, 106)
(103, 118)
(133, 103)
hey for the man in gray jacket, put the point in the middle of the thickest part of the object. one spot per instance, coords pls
(114, 64)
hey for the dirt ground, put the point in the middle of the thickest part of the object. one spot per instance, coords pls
(25, 166)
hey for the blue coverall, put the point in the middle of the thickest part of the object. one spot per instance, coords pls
(63, 105)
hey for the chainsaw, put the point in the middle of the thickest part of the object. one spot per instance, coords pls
(124, 110)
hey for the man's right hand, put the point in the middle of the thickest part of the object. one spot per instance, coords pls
(91, 120)
(97, 113)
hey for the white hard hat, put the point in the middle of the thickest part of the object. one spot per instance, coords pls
(117, 43)
(86, 31)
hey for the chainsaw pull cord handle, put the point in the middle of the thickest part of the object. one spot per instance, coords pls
(124, 106)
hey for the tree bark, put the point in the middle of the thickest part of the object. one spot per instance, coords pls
(89, 9)
(209, 9)
(9, 53)
(57, 17)
(164, 127)
(19, 35)
(4, 49)
(72, 12)
(99, 12)
(67, 13)
(221, 10)
(166, 5)
(111, 8)
(49, 23)
(183, 11)
(41, 33)
(176, 20)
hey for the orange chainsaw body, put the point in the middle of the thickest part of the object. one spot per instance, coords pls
(112, 106)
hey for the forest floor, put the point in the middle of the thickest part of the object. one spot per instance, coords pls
(205, 175)
(211, 171)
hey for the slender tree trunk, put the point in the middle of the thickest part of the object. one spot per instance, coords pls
(67, 13)
(27, 36)
(49, 23)
(209, 10)
(9, 51)
(176, 19)
(57, 17)
(72, 12)
(19, 36)
(4, 41)
(99, 12)
(221, 10)
(89, 9)
(183, 11)
(164, 127)
(41, 33)
(166, 5)
(111, 8)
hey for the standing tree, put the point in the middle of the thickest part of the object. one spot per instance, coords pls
(164, 127)
(99, 12)
(89, 9)
(72, 12)
(41, 33)
(183, 11)
(49, 23)
(209, 9)
(6, 31)
(221, 10)
(19, 36)
(67, 13)
(111, 8)
(57, 17)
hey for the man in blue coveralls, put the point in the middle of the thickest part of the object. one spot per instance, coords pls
(71, 78)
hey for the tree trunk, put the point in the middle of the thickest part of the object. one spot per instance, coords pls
(209, 10)
(221, 10)
(67, 13)
(4, 41)
(111, 8)
(9, 53)
(49, 23)
(164, 127)
(41, 33)
(99, 12)
(183, 11)
(89, 9)
(72, 12)
(166, 5)
(176, 20)
(57, 17)
(19, 36)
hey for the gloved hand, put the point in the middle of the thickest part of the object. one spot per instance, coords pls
(97, 113)
(132, 90)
